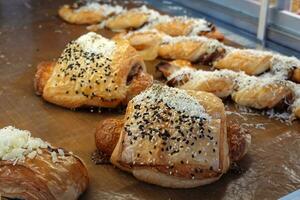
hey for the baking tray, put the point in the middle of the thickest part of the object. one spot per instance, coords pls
(31, 32)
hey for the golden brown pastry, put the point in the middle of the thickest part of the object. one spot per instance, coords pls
(146, 43)
(184, 26)
(261, 93)
(32, 169)
(193, 49)
(170, 137)
(255, 92)
(131, 19)
(220, 83)
(296, 75)
(93, 71)
(252, 62)
(87, 12)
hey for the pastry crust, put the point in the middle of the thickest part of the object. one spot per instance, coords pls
(131, 19)
(296, 75)
(83, 16)
(146, 43)
(262, 95)
(43, 73)
(107, 82)
(41, 177)
(135, 154)
(107, 134)
(175, 27)
(250, 61)
(193, 49)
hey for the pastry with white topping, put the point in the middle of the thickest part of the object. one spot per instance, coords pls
(173, 138)
(31, 168)
(93, 71)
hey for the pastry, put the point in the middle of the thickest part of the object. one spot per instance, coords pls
(255, 92)
(172, 138)
(145, 42)
(184, 26)
(261, 93)
(87, 12)
(130, 19)
(194, 49)
(220, 83)
(32, 169)
(93, 71)
(252, 62)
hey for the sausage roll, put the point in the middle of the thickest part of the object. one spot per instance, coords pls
(87, 12)
(93, 71)
(172, 138)
(32, 169)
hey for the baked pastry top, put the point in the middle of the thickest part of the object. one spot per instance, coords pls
(94, 71)
(31, 168)
(175, 133)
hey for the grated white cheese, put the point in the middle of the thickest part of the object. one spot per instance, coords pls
(95, 43)
(175, 98)
(17, 144)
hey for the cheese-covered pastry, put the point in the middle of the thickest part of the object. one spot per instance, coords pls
(255, 92)
(145, 42)
(130, 19)
(93, 71)
(32, 169)
(220, 83)
(252, 62)
(171, 137)
(194, 49)
(87, 12)
(260, 93)
(184, 26)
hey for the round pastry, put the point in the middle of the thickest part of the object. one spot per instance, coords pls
(93, 71)
(172, 138)
(87, 12)
(32, 169)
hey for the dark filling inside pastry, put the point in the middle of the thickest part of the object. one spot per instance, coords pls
(135, 70)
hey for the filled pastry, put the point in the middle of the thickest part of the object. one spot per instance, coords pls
(194, 49)
(173, 138)
(252, 62)
(261, 93)
(86, 12)
(184, 26)
(145, 42)
(130, 19)
(255, 92)
(93, 71)
(32, 169)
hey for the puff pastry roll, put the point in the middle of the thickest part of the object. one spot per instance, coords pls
(145, 42)
(172, 138)
(194, 49)
(220, 83)
(130, 19)
(184, 26)
(93, 71)
(86, 12)
(252, 62)
(261, 93)
(32, 169)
